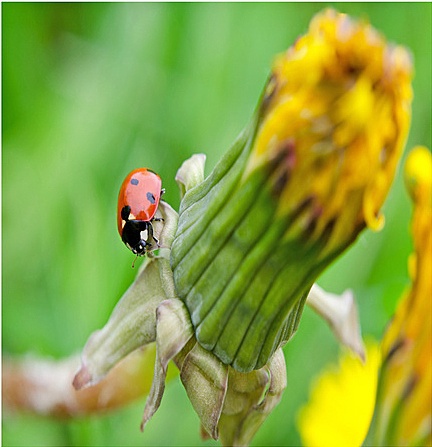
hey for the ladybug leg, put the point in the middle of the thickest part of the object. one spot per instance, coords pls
(150, 236)
(148, 239)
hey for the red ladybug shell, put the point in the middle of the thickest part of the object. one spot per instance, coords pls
(141, 191)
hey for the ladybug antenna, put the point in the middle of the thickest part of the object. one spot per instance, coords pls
(133, 263)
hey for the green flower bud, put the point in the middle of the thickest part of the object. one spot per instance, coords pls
(308, 174)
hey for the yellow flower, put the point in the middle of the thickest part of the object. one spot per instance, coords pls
(340, 100)
(404, 400)
(345, 399)
(341, 404)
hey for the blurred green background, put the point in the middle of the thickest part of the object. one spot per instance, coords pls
(91, 91)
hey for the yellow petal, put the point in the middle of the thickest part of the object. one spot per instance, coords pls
(341, 403)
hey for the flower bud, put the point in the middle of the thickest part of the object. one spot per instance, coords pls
(301, 182)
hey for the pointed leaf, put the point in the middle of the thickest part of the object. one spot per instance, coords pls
(131, 325)
(341, 314)
(173, 331)
(191, 173)
(205, 379)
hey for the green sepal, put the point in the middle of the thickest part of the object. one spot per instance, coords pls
(191, 173)
(173, 331)
(132, 324)
(251, 397)
(205, 379)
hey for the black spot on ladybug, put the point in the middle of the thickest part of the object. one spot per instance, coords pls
(125, 212)
(134, 181)
(151, 198)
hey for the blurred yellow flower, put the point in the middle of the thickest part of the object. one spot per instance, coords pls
(405, 395)
(341, 403)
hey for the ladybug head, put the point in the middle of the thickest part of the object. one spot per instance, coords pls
(140, 248)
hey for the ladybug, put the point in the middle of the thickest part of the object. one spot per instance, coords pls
(138, 201)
